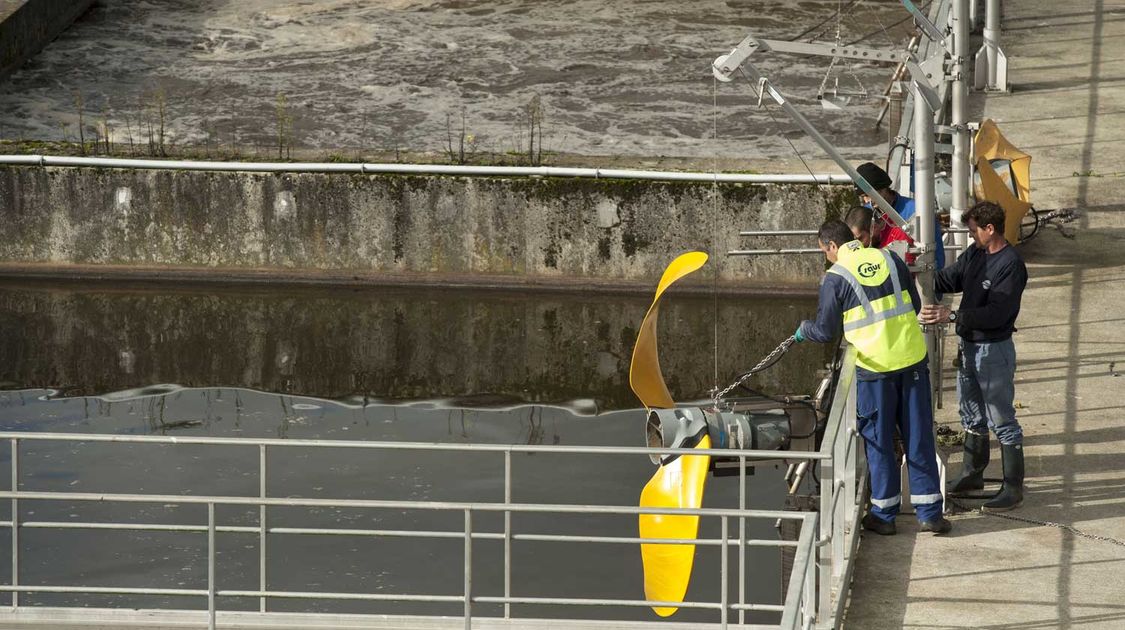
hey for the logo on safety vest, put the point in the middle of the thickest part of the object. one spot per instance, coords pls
(868, 270)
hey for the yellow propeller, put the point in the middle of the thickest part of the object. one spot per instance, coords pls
(679, 480)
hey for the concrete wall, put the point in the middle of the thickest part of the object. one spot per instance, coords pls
(26, 26)
(551, 230)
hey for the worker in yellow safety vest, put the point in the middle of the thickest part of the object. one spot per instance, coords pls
(868, 295)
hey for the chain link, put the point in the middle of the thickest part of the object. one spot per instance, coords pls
(770, 359)
(1063, 526)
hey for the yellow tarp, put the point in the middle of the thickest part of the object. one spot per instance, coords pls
(1010, 184)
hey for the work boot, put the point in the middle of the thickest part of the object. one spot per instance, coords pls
(875, 524)
(1011, 493)
(938, 526)
(972, 466)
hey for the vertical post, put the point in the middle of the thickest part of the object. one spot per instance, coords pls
(15, 522)
(824, 551)
(468, 588)
(742, 539)
(724, 597)
(992, 40)
(852, 447)
(262, 527)
(507, 532)
(211, 566)
(959, 118)
(809, 598)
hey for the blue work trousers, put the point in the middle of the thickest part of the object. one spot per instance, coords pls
(986, 390)
(900, 400)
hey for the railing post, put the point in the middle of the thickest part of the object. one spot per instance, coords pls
(15, 522)
(262, 526)
(468, 569)
(810, 586)
(723, 578)
(211, 566)
(507, 532)
(824, 551)
(742, 539)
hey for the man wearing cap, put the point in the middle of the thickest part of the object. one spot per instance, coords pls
(869, 295)
(904, 206)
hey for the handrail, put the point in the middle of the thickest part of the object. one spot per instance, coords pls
(424, 446)
(423, 169)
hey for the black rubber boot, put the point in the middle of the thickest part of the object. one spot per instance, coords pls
(972, 467)
(875, 524)
(937, 527)
(1011, 493)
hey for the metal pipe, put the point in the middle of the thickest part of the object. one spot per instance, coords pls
(772, 252)
(959, 116)
(424, 446)
(724, 580)
(575, 601)
(742, 539)
(15, 446)
(778, 233)
(393, 505)
(802, 122)
(422, 169)
(468, 586)
(211, 566)
(262, 526)
(507, 532)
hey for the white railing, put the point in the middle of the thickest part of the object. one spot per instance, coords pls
(422, 169)
(824, 552)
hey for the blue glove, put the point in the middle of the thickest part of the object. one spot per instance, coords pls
(798, 336)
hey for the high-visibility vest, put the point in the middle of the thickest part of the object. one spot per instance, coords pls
(884, 328)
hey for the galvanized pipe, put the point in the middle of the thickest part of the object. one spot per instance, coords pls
(772, 252)
(392, 505)
(262, 526)
(959, 117)
(778, 233)
(507, 533)
(468, 585)
(211, 566)
(724, 580)
(15, 446)
(422, 169)
(424, 446)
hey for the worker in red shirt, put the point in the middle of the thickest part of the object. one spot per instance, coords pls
(878, 232)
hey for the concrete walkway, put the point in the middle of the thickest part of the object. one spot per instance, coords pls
(1067, 110)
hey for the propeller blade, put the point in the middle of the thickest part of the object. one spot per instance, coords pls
(644, 370)
(678, 483)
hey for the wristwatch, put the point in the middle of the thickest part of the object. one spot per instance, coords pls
(952, 317)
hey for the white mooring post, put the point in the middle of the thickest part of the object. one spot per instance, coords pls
(991, 63)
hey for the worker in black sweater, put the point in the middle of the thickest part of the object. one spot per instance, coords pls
(991, 277)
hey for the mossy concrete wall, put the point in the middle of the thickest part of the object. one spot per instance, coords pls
(26, 26)
(428, 227)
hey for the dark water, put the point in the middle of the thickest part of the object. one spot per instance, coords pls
(428, 366)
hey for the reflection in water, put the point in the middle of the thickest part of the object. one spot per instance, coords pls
(380, 365)
(385, 345)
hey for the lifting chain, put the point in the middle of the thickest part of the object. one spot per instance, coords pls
(770, 359)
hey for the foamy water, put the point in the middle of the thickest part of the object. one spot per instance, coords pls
(626, 78)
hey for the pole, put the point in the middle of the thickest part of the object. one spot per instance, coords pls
(992, 39)
(959, 97)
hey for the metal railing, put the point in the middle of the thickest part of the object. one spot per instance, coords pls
(422, 169)
(823, 553)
